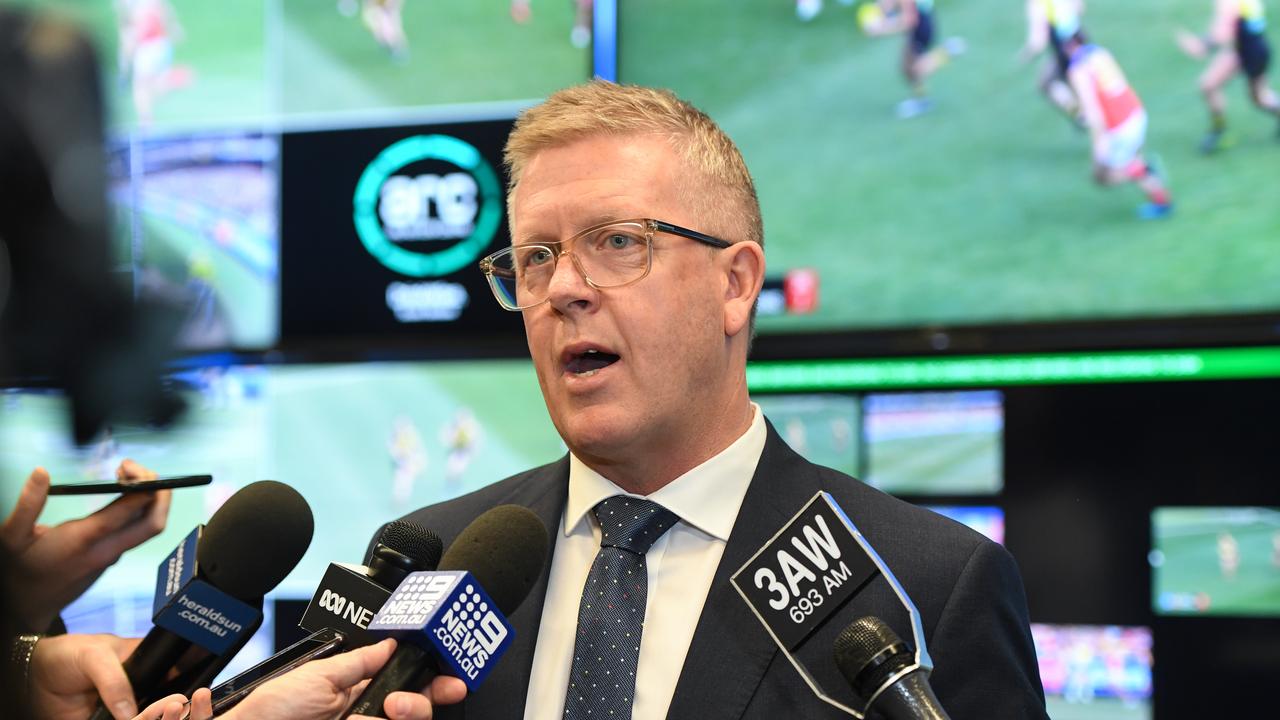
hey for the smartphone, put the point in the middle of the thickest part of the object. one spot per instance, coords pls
(96, 487)
(319, 644)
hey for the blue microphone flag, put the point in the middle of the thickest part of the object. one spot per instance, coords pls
(448, 614)
(193, 609)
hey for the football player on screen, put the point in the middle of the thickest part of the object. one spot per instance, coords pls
(1117, 125)
(148, 30)
(1235, 42)
(920, 56)
(1049, 23)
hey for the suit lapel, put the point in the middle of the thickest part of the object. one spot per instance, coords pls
(503, 694)
(730, 650)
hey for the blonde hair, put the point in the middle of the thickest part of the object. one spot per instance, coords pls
(604, 108)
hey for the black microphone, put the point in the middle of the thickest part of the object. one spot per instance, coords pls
(209, 590)
(873, 659)
(504, 551)
(343, 604)
(349, 595)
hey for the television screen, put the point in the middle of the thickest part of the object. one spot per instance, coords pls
(200, 94)
(363, 443)
(1095, 672)
(197, 226)
(988, 520)
(976, 204)
(947, 443)
(359, 55)
(1216, 561)
(241, 63)
(822, 428)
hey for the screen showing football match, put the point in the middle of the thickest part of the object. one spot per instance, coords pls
(412, 434)
(948, 443)
(1216, 561)
(198, 96)
(197, 227)
(186, 63)
(964, 187)
(1095, 672)
(822, 428)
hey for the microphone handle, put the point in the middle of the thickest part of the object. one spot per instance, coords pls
(410, 668)
(200, 674)
(910, 698)
(148, 665)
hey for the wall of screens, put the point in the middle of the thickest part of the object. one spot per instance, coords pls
(1142, 517)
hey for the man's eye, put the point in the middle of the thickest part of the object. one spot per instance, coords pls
(619, 241)
(541, 256)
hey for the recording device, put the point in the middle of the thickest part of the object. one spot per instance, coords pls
(453, 621)
(811, 568)
(129, 486)
(209, 590)
(344, 603)
(881, 668)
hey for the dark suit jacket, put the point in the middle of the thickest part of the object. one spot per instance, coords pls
(966, 587)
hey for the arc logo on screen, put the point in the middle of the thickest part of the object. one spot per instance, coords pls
(426, 207)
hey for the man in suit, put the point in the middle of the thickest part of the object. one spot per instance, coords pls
(636, 259)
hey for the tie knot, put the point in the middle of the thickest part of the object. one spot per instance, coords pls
(632, 524)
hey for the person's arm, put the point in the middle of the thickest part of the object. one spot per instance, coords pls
(322, 689)
(1037, 32)
(1082, 83)
(984, 658)
(1222, 28)
(69, 673)
(52, 566)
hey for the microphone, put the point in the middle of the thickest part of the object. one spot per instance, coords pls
(453, 621)
(209, 590)
(872, 658)
(340, 610)
(349, 595)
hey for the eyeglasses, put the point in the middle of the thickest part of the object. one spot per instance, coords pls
(607, 255)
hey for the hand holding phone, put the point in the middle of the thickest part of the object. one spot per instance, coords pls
(51, 566)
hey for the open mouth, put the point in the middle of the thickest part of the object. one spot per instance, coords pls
(589, 362)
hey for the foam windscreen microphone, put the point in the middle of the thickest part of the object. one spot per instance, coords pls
(453, 621)
(881, 668)
(349, 595)
(209, 590)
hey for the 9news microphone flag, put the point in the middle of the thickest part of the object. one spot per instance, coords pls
(454, 620)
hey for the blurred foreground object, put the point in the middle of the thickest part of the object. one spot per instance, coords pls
(63, 319)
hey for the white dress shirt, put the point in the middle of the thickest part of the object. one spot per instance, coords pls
(680, 564)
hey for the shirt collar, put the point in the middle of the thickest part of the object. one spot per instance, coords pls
(707, 497)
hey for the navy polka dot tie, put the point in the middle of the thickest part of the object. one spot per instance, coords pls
(602, 679)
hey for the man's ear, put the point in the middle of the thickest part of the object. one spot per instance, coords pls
(744, 276)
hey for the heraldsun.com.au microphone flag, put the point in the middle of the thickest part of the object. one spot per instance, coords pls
(806, 572)
(194, 609)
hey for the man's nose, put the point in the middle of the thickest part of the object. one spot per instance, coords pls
(568, 287)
